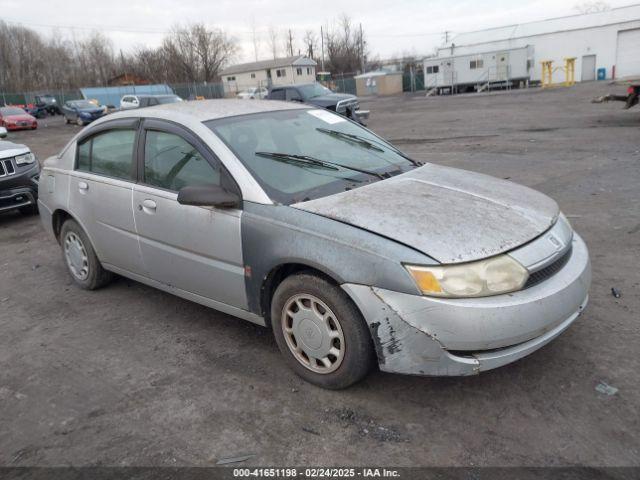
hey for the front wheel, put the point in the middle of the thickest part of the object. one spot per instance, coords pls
(79, 122)
(320, 332)
(28, 210)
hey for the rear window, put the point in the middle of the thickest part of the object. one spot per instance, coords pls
(108, 153)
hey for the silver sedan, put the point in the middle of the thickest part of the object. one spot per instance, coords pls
(298, 219)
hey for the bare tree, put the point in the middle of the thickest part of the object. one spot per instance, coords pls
(254, 38)
(272, 41)
(289, 43)
(311, 44)
(29, 61)
(346, 47)
(592, 7)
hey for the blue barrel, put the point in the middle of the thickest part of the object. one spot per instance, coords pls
(602, 73)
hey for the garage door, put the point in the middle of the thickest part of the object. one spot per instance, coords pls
(628, 58)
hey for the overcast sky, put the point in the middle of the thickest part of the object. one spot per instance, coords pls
(392, 27)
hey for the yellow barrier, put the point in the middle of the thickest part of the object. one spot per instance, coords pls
(569, 70)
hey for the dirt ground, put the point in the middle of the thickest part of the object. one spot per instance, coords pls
(129, 375)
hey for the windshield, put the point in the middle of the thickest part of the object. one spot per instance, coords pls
(299, 155)
(83, 104)
(314, 90)
(169, 99)
(12, 111)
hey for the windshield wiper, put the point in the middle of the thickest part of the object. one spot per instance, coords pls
(368, 143)
(306, 160)
(351, 138)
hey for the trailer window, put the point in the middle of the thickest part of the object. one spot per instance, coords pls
(433, 69)
(474, 64)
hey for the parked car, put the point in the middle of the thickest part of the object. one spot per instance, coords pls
(15, 118)
(317, 94)
(35, 111)
(48, 103)
(81, 112)
(295, 217)
(141, 101)
(19, 170)
(253, 93)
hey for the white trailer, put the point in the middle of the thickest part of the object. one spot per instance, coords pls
(479, 71)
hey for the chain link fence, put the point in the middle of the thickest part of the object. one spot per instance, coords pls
(28, 98)
(341, 83)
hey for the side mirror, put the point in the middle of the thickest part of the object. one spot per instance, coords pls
(208, 196)
(3, 132)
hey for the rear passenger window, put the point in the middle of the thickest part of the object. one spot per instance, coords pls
(293, 95)
(109, 153)
(171, 162)
(277, 95)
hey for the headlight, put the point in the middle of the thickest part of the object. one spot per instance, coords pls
(25, 159)
(501, 274)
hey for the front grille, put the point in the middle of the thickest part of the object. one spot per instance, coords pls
(345, 105)
(550, 270)
(6, 168)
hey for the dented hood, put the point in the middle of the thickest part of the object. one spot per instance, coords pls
(449, 214)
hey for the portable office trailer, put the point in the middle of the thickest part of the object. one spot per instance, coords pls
(478, 70)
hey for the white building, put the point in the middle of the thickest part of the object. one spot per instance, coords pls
(605, 40)
(280, 71)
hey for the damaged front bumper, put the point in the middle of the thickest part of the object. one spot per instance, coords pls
(422, 335)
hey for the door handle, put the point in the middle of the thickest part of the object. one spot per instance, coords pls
(148, 206)
(83, 187)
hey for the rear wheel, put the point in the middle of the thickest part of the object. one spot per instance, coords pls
(66, 120)
(83, 264)
(79, 122)
(320, 332)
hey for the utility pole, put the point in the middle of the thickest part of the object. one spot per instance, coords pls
(361, 50)
(322, 46)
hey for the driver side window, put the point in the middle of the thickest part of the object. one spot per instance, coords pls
(170, 162)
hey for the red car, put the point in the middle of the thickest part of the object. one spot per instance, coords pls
(14, 118)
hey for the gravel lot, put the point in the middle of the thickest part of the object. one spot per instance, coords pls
(129, 375)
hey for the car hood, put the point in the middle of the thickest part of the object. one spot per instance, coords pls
(19, 118)
(330, 99)
(451, 215)
(10, 149)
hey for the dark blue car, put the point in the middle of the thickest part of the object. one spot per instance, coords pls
(81, 112)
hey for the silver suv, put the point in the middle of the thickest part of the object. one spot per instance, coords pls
(296, 218)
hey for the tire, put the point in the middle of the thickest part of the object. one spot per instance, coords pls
(28, 210)
(81, 261)
(79, 122)
(331, 329)
(67, 121)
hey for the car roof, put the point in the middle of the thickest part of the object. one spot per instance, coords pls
(292, 85)
(203, 110)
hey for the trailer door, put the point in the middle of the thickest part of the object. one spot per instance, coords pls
(502, 66)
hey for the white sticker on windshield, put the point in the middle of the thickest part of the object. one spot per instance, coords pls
(326, 116)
